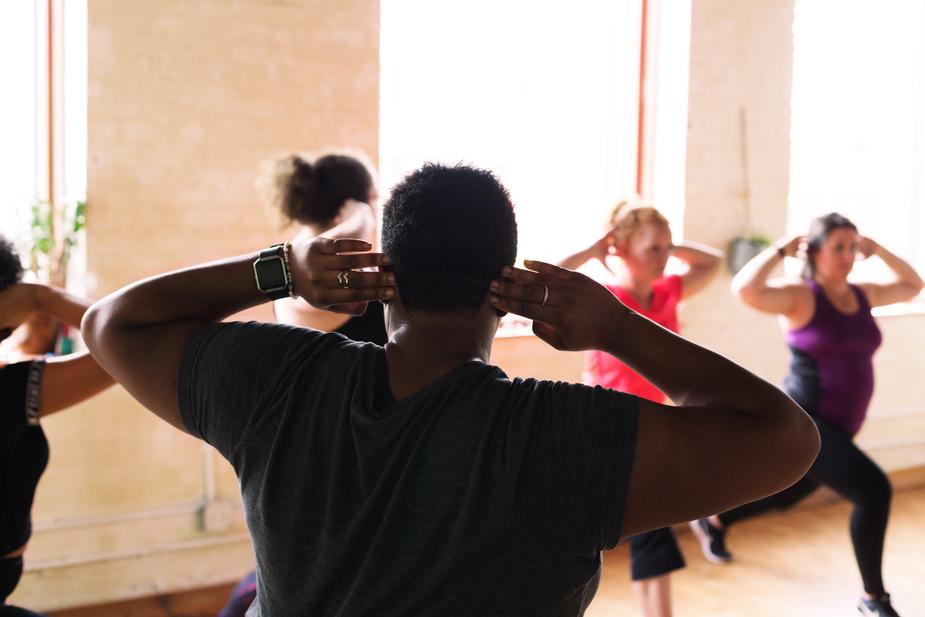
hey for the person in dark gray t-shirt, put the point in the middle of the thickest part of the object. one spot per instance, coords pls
(417, 478)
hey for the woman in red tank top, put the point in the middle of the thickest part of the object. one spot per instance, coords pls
(634, 253)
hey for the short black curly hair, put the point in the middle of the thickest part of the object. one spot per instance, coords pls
(448, 232)
(10, 265)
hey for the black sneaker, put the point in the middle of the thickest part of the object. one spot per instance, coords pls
(878, 607)
(712, 541)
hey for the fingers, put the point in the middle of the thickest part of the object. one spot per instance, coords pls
(537, 293)
(527, 293)
(329, 246)
(524, 277)
(356, 279)
(353, 261)
(517, 306)
(549, 270)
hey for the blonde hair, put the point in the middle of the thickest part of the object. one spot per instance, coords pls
(628, 216)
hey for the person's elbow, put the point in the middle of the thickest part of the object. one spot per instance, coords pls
(94, 327)
(742, 290)
(797, 444)
(917, 286)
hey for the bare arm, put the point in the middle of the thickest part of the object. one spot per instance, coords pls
(71, 379)
(731, 427)
(751, 285)
(66, 380)
(61, 305)
(908, 283)
(702, 262)
(598, 251)
(139, 333)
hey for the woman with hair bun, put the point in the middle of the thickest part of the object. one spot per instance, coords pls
(640, 238)
(832, 338)
(333, 196)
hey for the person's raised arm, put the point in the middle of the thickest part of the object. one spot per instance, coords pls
(732, 431)
(750, 284)
(702, 263)
(907, 285)
(356, 220)
(598, 250)
(138, 334)
(66, 380)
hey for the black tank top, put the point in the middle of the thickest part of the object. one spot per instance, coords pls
(23, 451)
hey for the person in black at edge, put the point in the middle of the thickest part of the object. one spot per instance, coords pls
(334, 196)
(417, 479)
(30, 392)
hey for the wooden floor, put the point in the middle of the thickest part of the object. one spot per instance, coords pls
(794, 565)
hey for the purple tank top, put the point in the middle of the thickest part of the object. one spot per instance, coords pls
(831, 368)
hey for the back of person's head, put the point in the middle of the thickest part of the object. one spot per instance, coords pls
(11, 270)
(448, 231)
(819, 231)
(628, 216)
(313, 192)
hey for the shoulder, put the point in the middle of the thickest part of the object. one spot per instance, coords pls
(575, 397)
(800, 290)
(254, 342)
(802, 295)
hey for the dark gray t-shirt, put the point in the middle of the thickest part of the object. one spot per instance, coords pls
(478, 495)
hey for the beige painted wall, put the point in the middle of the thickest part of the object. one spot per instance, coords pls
(185, 100)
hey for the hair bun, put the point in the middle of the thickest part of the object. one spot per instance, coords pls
(287, 184)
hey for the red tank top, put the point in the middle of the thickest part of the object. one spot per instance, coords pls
(602, 369)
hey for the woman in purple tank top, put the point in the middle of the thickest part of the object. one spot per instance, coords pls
(832, 338)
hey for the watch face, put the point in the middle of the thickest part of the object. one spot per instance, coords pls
(270, 273)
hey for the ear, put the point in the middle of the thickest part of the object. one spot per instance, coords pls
(621, 249)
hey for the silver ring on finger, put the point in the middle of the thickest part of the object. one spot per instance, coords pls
(343, 279)
(545, 295)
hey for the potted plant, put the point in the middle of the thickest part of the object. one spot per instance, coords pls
(53, 232)
(743, 248)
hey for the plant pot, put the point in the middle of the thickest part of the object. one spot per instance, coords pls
(743, 250)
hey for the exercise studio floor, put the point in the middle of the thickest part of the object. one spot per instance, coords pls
(797, 564)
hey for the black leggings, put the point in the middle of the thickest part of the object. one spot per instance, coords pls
(844, 468)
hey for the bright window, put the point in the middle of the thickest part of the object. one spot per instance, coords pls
(43, 153)
(23, 147)
(858, 121)
(544, 94)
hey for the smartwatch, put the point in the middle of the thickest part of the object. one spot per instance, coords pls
(272, 272)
